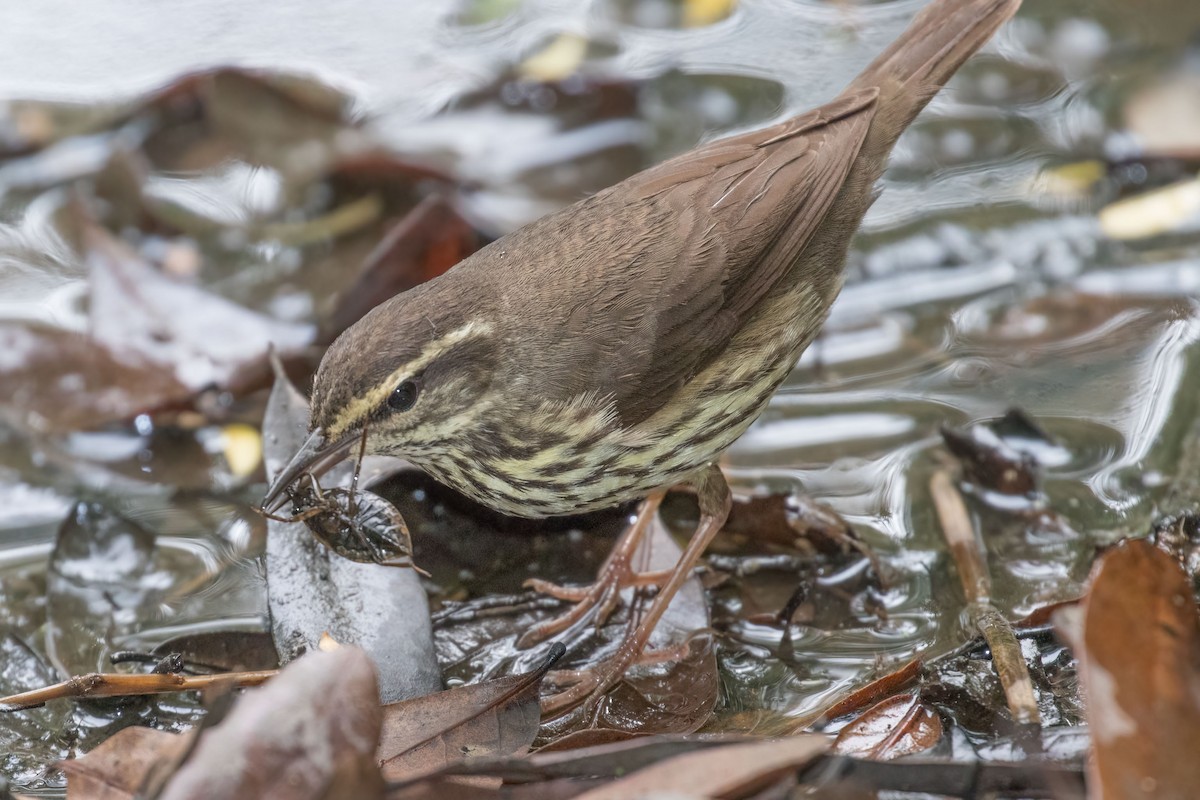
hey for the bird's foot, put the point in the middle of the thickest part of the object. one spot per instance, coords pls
(601, 598)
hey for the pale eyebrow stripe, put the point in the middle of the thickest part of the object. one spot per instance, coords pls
(362, 405)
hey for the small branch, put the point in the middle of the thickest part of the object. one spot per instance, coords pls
(971, 563)
(99, 684)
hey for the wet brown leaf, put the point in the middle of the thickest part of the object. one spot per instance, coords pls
(795, 522)
(57, 380)
(880, 687)
(991, 463)
(1137, 638)
(310, 733)
(118, 768)
(496, 717)
(199, 337)
(899, 726)
(736, 770)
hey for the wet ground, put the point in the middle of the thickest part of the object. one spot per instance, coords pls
(989, 275)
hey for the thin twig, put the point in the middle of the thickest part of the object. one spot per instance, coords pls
(111, 684)
(971, 562)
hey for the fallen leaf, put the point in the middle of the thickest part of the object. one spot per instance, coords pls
(899, 726)
(884, 686)
(1137, 638)
(735, 770)
(794, 522)
(1158, 211)
(55, 380)
(991, 463)
(118, 768)
(203, 339)
(309, 733)
(496, 717)
(242, 447)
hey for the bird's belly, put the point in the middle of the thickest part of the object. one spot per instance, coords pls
(624, 464)
(593, 463)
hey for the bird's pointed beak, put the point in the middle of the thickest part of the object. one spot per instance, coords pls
(315, 457)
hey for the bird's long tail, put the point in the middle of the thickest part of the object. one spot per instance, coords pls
(920, 61)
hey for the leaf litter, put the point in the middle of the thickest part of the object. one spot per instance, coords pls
(207, 119)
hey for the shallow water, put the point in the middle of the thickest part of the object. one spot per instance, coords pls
(978, 284)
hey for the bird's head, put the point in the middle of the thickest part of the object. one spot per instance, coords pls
(412, 375)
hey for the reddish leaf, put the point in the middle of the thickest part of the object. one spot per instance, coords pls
(118, 768)
(884, 686)
(899, 726)
(794, 522)
(1137, 638)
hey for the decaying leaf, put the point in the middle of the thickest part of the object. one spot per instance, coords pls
(879, 688)
(203, 339)
(223, 651)
(57, 380)
(496, 717)
(120, 766)
(310, 733)
(899, 726)
(794, 522)
(1137, 638)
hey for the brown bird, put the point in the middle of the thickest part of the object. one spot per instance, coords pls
(614, 349)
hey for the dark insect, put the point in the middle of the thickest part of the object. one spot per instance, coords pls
(358, 525)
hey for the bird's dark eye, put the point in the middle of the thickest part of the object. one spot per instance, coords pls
(404, 396)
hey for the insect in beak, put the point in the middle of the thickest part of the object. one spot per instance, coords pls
(315, 457)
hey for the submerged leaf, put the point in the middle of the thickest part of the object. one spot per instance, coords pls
(204, 339)
(57, 380)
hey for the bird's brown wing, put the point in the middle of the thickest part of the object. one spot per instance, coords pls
(665, 267)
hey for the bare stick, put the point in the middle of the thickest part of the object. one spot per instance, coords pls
(971, 562)
(115, 684)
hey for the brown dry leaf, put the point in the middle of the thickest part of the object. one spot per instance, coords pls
(58, 380)
(1138, 645)
(899, 726)
(496, 717)
(733, 771)
(118, 768)
(310, 733)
